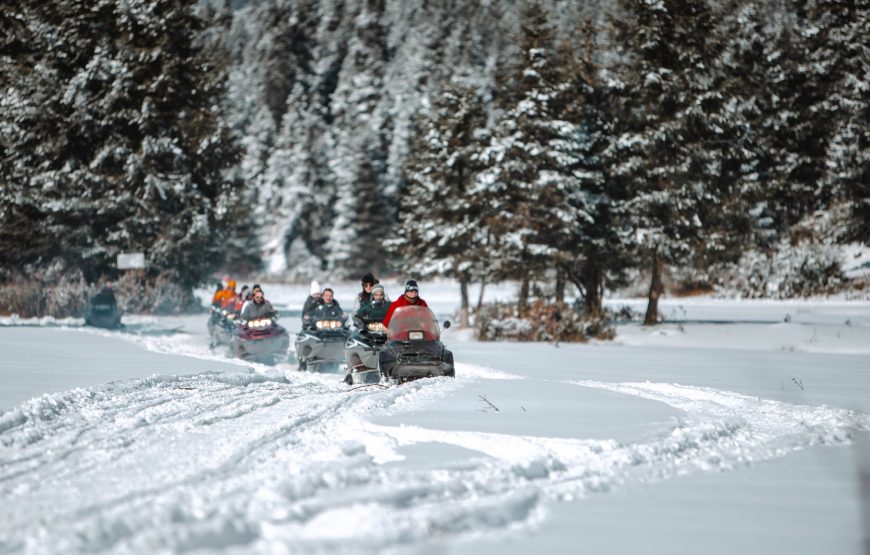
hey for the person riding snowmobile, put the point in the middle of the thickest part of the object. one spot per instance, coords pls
(244, 295)
(257, 307)
(228, 299)
(313, 301)
(374, 310)
(410, 298)
(368, 283)
(327, 303)
(106, 296)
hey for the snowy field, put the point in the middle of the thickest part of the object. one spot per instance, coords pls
(736, 427)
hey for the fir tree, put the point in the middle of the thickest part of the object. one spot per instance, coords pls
(684, 145)
(440, 231)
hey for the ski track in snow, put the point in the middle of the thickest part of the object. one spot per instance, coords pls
(270, 460)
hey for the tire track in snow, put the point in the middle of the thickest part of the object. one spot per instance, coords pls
(164, 446)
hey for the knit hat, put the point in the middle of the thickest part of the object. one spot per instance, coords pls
(378, 287)
(369, 278)
(411, 285)
(315, 287)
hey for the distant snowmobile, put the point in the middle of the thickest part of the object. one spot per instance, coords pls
(103, 312)
(413, 349)
(362, 351)
(320, 343)
(261, 340)
(221, 327)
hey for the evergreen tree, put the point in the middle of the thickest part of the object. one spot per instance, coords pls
(112, 138)
(440, 231)
(595, 240)
(528, 164)
(686, 149)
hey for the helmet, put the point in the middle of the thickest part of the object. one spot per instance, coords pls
(411, 285)
(231, 284)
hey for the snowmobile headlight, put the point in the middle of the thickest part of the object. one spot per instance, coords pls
(230, 316)
(415, 335)
(377, 327)
(319, 324)
(224, 312)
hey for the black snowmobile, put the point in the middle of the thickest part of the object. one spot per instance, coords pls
(413, 349)
(320, 342)
(221, 326)
(362, 351)
(103, 311)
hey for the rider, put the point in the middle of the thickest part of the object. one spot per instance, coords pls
(106, 296)
(314, 299)
(244, 295)
(368, 282)
(328, 305)
(258, 306)
(228, 299)
(374, 310)
(410, 298)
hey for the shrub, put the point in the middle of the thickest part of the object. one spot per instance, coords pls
(543, 322)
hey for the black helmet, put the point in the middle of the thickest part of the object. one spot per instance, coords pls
(411, 285)
(369, 278)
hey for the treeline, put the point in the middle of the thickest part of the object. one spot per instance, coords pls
(113, 139)
(680, 133)
(554, 142)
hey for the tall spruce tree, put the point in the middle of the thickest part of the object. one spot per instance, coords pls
(595, 239)
(440, 231)
(684, 144)
(528, 167)
(112, 138)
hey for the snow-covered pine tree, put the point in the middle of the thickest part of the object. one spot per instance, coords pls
(594, 242)
(528, 167)
(840, 46)
(112, 137)
(440, 231)
(683, 143)
(360, 128)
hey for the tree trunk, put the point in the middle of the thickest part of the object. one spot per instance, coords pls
(656, 288)
(523, 301)
(463, 292)
(560, 286)
(480, 296)
(592, 303)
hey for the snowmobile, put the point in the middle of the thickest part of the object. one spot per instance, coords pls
(362, 350)
(413, 349)
(103, 314)
(260, 340)
(320, 342)
(221, 326)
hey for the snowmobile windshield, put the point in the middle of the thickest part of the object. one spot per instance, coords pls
(413, 323)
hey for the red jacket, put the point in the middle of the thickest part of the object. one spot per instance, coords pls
(398, 303)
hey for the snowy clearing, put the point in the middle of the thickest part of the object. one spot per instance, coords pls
(693, 437)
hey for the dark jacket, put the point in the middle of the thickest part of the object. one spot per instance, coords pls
(311, 303)
(373, 311)
(105, 296)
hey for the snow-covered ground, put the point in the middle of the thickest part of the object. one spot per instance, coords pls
(735, 427)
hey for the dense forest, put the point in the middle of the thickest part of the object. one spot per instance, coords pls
(566, 144)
